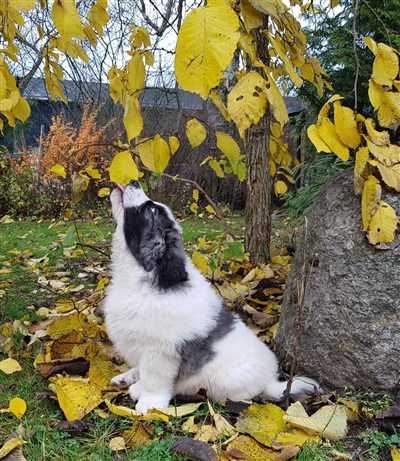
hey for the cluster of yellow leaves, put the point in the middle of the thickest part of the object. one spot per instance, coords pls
(273, 434)
(375, 156)
(207, 41)
(126, 84)
(12, 105)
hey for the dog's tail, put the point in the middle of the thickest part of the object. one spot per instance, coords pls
(300, 385)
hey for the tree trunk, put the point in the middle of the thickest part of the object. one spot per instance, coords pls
(258, 184)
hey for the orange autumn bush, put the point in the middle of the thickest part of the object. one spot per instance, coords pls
(75, 147)
(29, 188)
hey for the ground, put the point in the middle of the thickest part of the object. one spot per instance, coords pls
(53, 273)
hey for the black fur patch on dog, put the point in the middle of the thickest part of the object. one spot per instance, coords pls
(155, 242)
(195, 353)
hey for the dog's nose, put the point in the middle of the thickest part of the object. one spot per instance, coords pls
(135, 184)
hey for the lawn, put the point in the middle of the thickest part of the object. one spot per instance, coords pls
(47, 263)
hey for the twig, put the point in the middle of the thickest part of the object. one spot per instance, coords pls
(356, 7)
(92, 247)
(218, 214)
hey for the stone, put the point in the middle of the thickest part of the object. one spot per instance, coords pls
(340, 320)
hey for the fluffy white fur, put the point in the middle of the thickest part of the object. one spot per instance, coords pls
(147, 324)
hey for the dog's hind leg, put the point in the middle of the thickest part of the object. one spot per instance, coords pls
(124, 380)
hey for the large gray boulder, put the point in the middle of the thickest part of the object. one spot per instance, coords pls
(340, 318)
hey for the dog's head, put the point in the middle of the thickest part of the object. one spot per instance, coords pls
(152, 235)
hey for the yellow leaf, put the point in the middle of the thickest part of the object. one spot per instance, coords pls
(329, 421)
(93, 172)
(293, 438)
(388, 155)
(346, 126)
(390, 175)
(76, 398)
(117, 444)
(371, 44)
(223, 427)
(277, 102)
(386, 65)
(23, 5)
(164, 414)
(205, 46)
(361, 160)
(17, 407)
(59, 169)
(136, 74)
(101, 371)
(5, 105)
(9, 366)
(210, 209)
(229, 147)
(98, 16)
(395, 452)
(173, 144)
(80, 183)
(216, 98)
(195, 194)
(389, 110)
(133, 120)
(253, 450)
(140, 37)
(307, 71)
(67, 324)
(282, 53)
(370, 199)
(315, 138)
(214, 164)
(200, 261)
(280, 188)
(90, 35)
(329, 135)
(194, 208)
(247, 101)
(154, 153)
(379, 138)
(9, 446)
(66, 19)
(103, 192)
(21, 110)
(263, 422)
(123, 169)
(182, 410)
(383, 224)
(375, 93)
(195, 132)
(252, 18)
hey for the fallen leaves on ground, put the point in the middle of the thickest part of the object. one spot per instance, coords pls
(72, 352)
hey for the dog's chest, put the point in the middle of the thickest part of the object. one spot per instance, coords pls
(133, 325)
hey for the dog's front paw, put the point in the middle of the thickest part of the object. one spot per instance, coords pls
(124, 380)
(145, 403)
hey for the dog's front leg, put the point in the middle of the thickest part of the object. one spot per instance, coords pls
(156, 384)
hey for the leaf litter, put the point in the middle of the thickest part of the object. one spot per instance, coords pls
(72, 352)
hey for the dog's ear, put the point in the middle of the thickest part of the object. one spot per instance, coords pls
(172, 266)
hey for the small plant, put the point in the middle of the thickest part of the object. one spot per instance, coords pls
(370, 403)
(378, 443)
(314, 452)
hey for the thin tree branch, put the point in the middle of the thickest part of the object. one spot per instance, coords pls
(356, 8)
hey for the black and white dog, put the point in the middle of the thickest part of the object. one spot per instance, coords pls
(169, 324)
